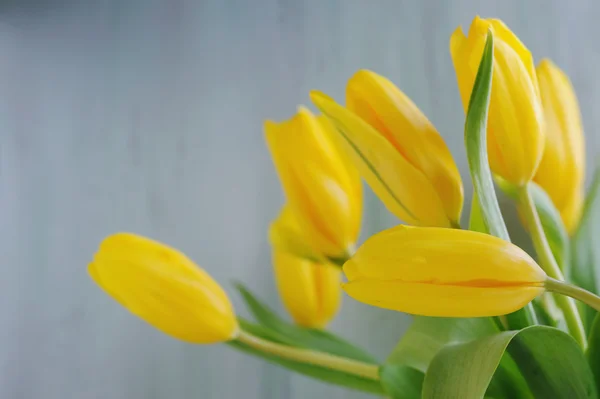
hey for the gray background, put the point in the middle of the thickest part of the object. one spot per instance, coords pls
(146, 116)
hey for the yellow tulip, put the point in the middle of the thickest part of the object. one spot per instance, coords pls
(442, 272)
(561, 171)
(165, 288)
(310, 291)
(322, 189)
(397, 150)
(516, 121)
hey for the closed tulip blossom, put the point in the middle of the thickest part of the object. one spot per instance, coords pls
(397, 150)
(322, 189)
(311, 291)
(515, 136)
(442, 272)
(561, 171)
(165, 288)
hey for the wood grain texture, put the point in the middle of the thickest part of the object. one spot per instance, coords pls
(146, 116)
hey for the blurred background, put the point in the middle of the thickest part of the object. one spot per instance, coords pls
(146, 116)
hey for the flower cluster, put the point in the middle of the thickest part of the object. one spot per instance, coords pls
(532, 135)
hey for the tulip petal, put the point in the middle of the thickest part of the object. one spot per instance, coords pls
(571, 212)
(164, 288)
(442, 272)
(440, 255)
(561, 171)
(503, 33)
(310, 291)
(391, 176)
(319, 191)
(519, 152)
(383, 106)
(442, 300)
(515, 128)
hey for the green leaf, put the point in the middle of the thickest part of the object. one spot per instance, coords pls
(335, 377)
(484, 193)
(475, 141)
(593, 351)
(476, 222)
(293, 335)
(553, 226)
(401, 382)
(550, 360)
(585, 251)
(427, 335)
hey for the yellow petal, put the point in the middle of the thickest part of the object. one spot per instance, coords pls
(502, 32)
(515, 123)
(441, 301)
(320, 191)
(571, 212)
(163, 287)
(310, 291)
(404, 189)
(561, 171)
(383, 106)
(442, 272)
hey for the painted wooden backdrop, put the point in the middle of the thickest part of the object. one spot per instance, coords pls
(146, 116)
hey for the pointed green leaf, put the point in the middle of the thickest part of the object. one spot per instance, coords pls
(550, 360)
(553, 226)
(426, 336)
(476, 222)
(475, 141)
(593, 351)
(293, 335)
(335, 377)
(487, 207)
(401, 382)
(585, 251)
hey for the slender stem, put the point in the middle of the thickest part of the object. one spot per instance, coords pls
(361, 369)
(564, 288)
(548, 263)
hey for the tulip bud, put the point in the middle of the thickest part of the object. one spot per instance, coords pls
(165, 288)
(322, 189)
(515, 124)
(310, 291)
(442, 272)
(397, 150)
(561, 171)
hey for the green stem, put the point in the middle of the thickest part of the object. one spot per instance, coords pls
(548, 263)
(361, 369)
(564, 288)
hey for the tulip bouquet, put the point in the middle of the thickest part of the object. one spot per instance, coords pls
(489, 319)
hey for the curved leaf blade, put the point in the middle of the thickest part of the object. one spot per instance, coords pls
(330, 376)
(593, 351)
(553, 226)
(585, 252)
(487, 217)
(293, 335)
(466, 370)
(401, 382)
(475, 141)
(426, 336)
